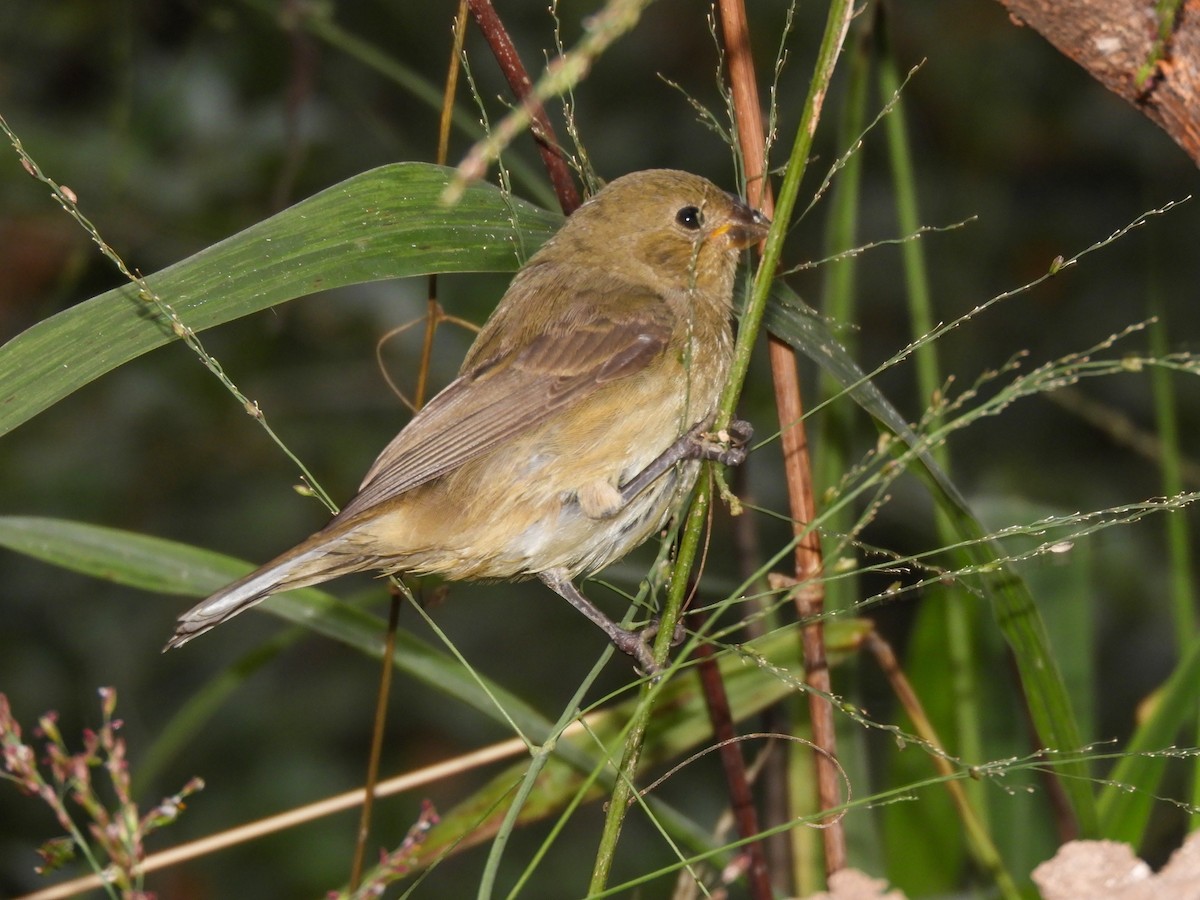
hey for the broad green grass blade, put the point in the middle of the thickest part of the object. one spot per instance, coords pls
(788, 317)
(1178, 528)
(683, 726)
(964, 668)
(169, 567)
(934, 864)
(164, 566)
(122, 557)
(385, 223)
(1017, 616)
(1129, 790)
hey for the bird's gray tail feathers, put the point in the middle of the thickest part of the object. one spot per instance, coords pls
(297, 568)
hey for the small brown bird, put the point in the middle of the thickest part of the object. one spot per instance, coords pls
(576, 424)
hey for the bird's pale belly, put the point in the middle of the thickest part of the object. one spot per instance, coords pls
(507, 532)
(549, 498)
(578, 543)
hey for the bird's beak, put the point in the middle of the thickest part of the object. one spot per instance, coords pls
(745, 227)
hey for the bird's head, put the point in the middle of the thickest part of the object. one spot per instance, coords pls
(678, 229)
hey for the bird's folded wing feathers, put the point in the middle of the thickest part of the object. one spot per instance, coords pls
(508, 394)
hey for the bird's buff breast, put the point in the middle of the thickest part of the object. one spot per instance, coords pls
(530, 505)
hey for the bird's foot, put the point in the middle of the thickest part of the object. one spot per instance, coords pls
(637, 645)
(650, 632)
(727, 446)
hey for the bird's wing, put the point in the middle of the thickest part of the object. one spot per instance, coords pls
(511, 392)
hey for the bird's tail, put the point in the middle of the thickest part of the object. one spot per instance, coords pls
(310, 562)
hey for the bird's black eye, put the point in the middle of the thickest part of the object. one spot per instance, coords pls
(690, 218)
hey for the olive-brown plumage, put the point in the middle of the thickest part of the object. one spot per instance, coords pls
(575, 425)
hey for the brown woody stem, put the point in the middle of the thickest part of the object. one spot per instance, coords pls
(509, 60)
(734, 766)
(797, 468)
(1155, 67)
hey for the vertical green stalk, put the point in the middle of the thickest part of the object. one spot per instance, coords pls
(1179, 538)
(958, 647)
(832, 439)
(1178, 533)
(836, 24)
(835, 423)
(619, 801)
(541, 756)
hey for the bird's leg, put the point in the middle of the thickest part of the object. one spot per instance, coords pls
(728, 449)
(651, 631)
(632, 643)
(696, 444)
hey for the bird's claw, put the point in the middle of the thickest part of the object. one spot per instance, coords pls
(650, 632)
(636, 644)
(727, 446)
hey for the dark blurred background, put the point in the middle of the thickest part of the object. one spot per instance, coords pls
(180, 123)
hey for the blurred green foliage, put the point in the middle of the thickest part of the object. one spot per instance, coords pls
(179, 123)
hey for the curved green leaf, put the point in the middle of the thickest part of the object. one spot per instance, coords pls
(163, 566)
(788, 317)
(166, 566)
(1130, 790)
(385, 223)
(682, 727)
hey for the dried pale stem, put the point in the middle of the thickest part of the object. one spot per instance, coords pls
(624, 789)
(797, 466)
(432, 320)
(381, 705)
(984, 850)
(518, 81)
(452, 69)
(450, 768)
(434, 313)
